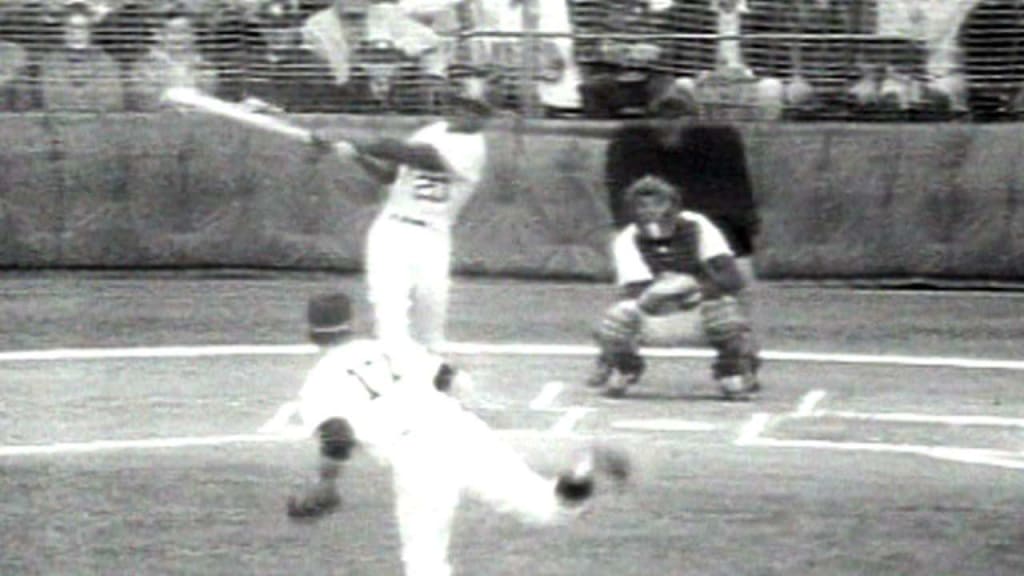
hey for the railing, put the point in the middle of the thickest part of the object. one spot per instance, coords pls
(779, 60)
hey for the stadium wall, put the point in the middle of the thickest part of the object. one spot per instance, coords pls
(838, 201)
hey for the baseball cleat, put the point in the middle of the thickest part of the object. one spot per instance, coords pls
(601, 374)
(738, 387)
(622, 382)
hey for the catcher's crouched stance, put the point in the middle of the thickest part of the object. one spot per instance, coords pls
(402, 410)
(675, 267)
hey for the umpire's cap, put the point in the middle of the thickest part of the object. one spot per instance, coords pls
(329, 314)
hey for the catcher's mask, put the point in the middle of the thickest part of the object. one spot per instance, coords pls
(655, 204)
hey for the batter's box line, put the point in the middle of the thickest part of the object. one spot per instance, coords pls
(808, 408)
(752, 434)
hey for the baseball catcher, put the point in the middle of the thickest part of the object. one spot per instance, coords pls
(680, 284)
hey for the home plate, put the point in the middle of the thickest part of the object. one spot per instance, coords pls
(663, 425)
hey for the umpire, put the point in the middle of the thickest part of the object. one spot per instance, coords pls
(707, 163)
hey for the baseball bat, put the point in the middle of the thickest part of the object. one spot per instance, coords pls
(233, 112)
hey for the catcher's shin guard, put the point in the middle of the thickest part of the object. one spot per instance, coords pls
(728, 330)
(616, 335)
(603, 370)
(631, 366)
(619, 327)
(628, 365)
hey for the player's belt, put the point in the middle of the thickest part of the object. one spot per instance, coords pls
(408, 220)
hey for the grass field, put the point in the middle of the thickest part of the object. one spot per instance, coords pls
(888, 439)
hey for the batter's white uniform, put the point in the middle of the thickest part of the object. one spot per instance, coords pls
(437, 450)
(673, 329)
(408, 252)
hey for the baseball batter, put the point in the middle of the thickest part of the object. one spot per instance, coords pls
(359, 398)
(670, 264)
(408, 250)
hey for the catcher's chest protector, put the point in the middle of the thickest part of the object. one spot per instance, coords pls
(678, 253)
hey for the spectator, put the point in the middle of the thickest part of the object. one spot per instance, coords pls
(334, 33)
(27, 25)
(413, 42)
(126, 32)
(280, 72)
(815, 67)
(445, 19)
(389, 22)
(172, 61)
(224, 37)
(707, 162)
(730, 19)
(554, 70)
(378, 52)
(862, 95)
(621, 75)
(992, 57)
(79, 76)
(14, 80)
(385, 79)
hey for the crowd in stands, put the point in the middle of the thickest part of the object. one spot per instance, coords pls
(797, 59)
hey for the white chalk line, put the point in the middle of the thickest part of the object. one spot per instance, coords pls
(752, 434)
(915, 418)
(664, 425)
(808, 403)
(502, 349)
(287, 434)
(548, 393)
(151, 352)
(998, 458)
(63, 448)
(569, 420)
(808, 408)
(277, 428)
(281, 419)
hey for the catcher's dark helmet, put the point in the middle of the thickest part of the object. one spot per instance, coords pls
(329, 315)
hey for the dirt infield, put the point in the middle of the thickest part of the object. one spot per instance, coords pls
(132, 406)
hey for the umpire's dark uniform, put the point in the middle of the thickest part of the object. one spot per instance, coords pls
(707, 163)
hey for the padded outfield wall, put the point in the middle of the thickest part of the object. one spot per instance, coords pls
(837, 201)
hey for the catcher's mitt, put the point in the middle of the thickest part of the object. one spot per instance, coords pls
(671, 292)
